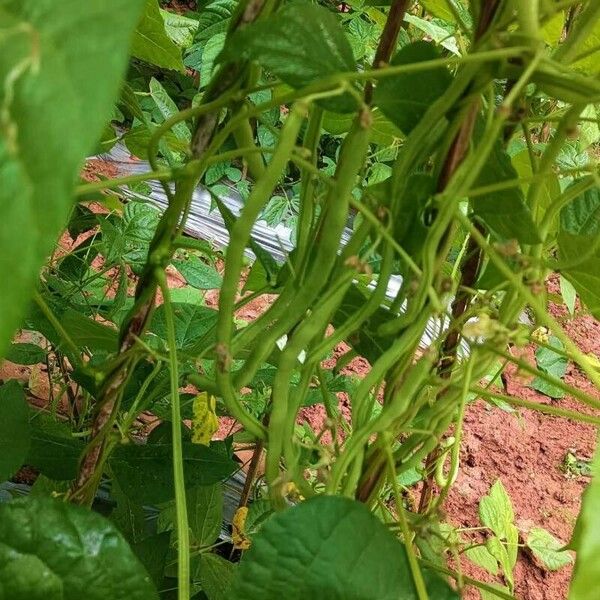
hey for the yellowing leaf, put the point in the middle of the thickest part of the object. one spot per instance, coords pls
(204, 422)
(238, 529)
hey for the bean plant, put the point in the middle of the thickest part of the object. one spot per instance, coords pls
(454, 140)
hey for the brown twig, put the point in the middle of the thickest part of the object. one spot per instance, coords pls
(388, 40)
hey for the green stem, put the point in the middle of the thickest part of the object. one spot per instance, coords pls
(547, 409)
(62, 332)
(406, 534)
(181, 522)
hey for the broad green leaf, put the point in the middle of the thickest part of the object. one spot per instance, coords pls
(53, 451)
(553, 28)
(586, 540)
(128, 238)
(582, 215)
(15, 434)
(435, 32)
(550, 186)
(499, 551)
(60, 67)
(152, 552)
(589, 51)
(136, 140)
(548, 549)
(440, 9)
(52, 550)
(569, 294)
(179, 28)
(205, 514)
(214, 18)
(168, 108)
(145, 472)
(481, 556)
(215, 575)
(210, 52)
(584, 275)
(128, 516)
(194, 325)
(383, 131)
(198, 274)
(487, 595)
(328, 548)
(44, 486)
(300, 44)
(512, 544)
(151, 43)
(405, 98)
(504, 212)
(496, 511)
(589, 131)
(87, 333)
(553, 364)
(25, 354)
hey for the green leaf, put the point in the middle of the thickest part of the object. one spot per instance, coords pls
(145, 472)
(300, 44)
(151, 43)
(440, 9)
(438, 34)
(215, 18)
(205, 514)
(52, 550)
(198, 274)
(210, 52)
(548, 549)
(152, 552)
(568, 293)
(504, 212)
(583, 275)
(25, 354)
(550, 185)
(61, 66)
(405, 98)
(582, 215)
(481, 556)
(383, 131)
(128, 516)
(499, 551)
(553, 364)
(128, 238)
(328, 548)
(553, 28)
(53, 451)
(194, 325)
(168, 108)
(215, 575)
(496, 511)
(586, 540)
(15, 435)
(179, 28)
(589, 50)
(87, 333)
(136, 140)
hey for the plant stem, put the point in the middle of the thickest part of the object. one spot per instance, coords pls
(406, 533)
(62, 332)
(181, 522)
